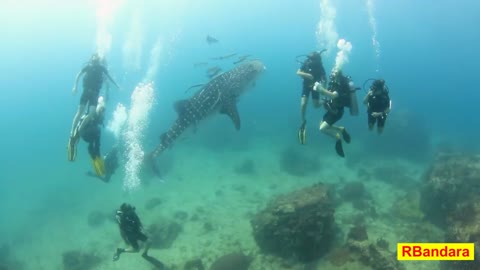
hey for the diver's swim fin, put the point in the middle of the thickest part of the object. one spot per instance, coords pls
(99, 166)
(302, 133)
(158, 264)
(346, 136)
(339, 148)
(72, 148)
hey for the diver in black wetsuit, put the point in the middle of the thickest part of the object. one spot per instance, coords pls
(311, 71)
(94, 74)
(90, 132)
(379, 105)
(131, 230)
(338, 92)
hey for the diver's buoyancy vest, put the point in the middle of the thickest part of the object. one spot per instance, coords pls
(379, 103)
(342, 87)
(93, 75)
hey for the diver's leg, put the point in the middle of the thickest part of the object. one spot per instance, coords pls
(381, 124)
(76, 119)
(329, 130)
(371, 121)
(303, 107)
(158, 264)
(333, 132)
(119, 251)
(327, 125)
(88, 117)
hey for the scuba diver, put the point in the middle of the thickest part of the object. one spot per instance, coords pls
(341, 94)
(90, 132)
(311, 71)
(131, 230)
(94, 73)
(378, 104)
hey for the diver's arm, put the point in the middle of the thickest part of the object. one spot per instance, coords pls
(304, 75)
(387, 111)
(74, 90)
(319, 88)
(365, 100)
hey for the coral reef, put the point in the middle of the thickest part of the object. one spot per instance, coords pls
(298, 225)
(358, 233)
(374, 256)
(247, 167)
(232, 261)
(407, 207)
(164, 233)
(298, 163)
(451, 184)
(450, 198)
(78, 260)
(340, 256)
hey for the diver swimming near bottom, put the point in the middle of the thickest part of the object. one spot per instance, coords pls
(132, 232)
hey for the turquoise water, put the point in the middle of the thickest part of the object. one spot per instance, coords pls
(427, 53)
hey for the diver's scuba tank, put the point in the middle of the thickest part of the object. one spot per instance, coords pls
(353, 99)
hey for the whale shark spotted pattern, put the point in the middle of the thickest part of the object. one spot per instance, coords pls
(219, 95)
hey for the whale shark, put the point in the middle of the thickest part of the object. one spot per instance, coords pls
(219, 96)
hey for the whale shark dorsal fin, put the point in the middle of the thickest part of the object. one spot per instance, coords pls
(230, 109)
(180, 106)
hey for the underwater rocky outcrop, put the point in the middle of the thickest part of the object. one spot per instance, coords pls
(298, 225)
(374, 254)
(450, 199)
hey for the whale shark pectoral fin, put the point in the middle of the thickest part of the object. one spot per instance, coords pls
(180, 106)
(231, 110)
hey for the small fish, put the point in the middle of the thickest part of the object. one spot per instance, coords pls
(224, 57)
(200, 64)
(241, 59)
(211, 40)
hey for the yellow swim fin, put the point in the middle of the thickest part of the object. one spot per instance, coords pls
(99, 166)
